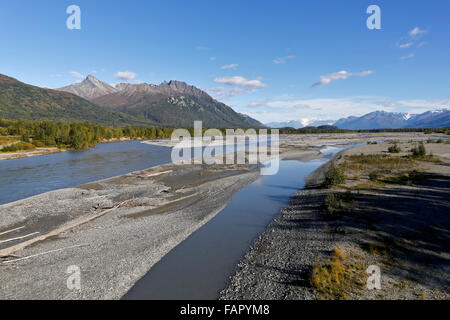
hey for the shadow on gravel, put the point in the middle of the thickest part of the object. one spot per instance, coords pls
(406, 224)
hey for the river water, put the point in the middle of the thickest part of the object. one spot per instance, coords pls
(25, 177)
(199, 267)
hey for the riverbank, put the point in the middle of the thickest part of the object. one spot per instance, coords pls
(47, 150)
(319, 249)
(28, 153)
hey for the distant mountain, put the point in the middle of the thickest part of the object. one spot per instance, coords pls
(173, 104)
(22, 101)
(253, 123)
(395, 120)
(299, 124)
(430, 119)
(170, 104)
(89, 88)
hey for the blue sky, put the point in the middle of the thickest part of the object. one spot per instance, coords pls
(260, 57)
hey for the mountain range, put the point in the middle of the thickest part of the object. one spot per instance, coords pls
(394, 120)
(170, 104)
(22, 101)
(299, 124)
(378, 120)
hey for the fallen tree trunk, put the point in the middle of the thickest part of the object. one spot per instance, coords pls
(18, 238)
(20, 246)
(42, 253)
(12, 230)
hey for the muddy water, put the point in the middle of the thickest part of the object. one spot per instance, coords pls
(199, 267)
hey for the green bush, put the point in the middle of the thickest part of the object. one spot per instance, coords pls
(20, 146)
(332, 202)
(373, 176)
(419, 150)
(335, 176)
(394, 149)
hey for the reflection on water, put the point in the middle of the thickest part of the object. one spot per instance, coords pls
(21, 178)
(198, 268)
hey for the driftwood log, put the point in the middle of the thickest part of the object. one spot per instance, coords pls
(9, 251)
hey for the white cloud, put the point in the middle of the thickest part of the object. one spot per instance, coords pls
(77, 74)
(406, 45)
(269, 110)
(222, 93)
(229, 66)
(428, 104)
(125, 75)
(242, 82)
(410, 40)
(417, 31)
(421, 44)
(409, 56)
(212, 58)
(326, 79)
(282, 59)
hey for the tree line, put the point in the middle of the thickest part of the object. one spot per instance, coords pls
(78, 135)
(81, 135)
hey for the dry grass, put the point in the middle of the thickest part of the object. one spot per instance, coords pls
(341, 275)
(7, 140)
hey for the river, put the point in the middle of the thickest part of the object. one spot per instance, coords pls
(25, 177)
(199, 267)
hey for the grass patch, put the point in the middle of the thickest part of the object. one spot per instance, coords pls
(340, 276)
(20, 146)
(8, 140)
(405, 178)
(380, 160)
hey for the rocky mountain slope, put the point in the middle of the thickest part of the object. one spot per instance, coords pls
(89, 88)
(170, 104)
(22, 101)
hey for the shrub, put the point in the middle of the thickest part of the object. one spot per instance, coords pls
(373, 176)
(18, 147)
(339, 276)
(394, 149)
(335, 176)
(419, 150)
(38, 144)
(332, 202)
